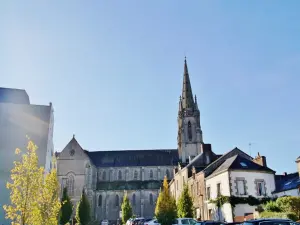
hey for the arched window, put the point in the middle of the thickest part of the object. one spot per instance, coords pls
(70, 185)
(168, 174)
(151, 199)
(100, 201)
(104, 175)
(135, 176)
(117, 201)
(151, 174)
(190, 130)
(133, 199)
(120, 175)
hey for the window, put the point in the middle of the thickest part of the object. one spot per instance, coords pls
(218, 189)
(117, 201)
(241, 187)
(182, 181)
(185, 221)
(120, 175)
(151, 174)
(133, 199)
(190, 131)
(168, 174)
(151, 199)
(243, 164)
(70, 185)
(198, 189)
(260, 188)
(104, 175)
(208, 193)
(135, 176)
(177, 184)
(100, 200)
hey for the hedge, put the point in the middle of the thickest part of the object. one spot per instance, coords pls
(281, 215)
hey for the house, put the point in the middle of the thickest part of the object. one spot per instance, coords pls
(241, 177)
(288, 184)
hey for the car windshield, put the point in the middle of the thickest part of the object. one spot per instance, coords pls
(276, 223)
(193, 221)
(185, 221)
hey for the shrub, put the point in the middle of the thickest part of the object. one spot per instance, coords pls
(281, 215)
(272, 206)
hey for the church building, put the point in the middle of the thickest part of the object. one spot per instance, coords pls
(107, 175)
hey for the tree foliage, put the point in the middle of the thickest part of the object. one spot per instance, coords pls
(66, 207)
(126, 209)
(33, 195)
(83, 212)
(185, 204)
(272, 206)
(165, 210)
(289, 204)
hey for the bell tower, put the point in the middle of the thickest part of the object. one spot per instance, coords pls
(189, 137)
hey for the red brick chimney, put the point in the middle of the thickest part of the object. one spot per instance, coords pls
(261, 160)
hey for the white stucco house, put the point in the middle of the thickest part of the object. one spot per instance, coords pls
(242, 177)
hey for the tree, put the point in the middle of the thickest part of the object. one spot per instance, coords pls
(289, 204)
(48, 206)
(165, 210)
(83, 215)
(66, 207)
(272, 206)
(185, 204)
(26, 179)
(126, 209)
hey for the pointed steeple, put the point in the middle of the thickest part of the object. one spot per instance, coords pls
(196, 103)
(187, 95)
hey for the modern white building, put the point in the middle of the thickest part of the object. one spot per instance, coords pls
(242, 177)
(19, 118)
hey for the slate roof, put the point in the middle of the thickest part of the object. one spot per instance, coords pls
(16, 96)
(237, 162)
(286, 182)
(129, 185)
(134, 158)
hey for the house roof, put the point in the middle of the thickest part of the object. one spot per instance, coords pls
(163, 157)
(238, 162)
(286, 182)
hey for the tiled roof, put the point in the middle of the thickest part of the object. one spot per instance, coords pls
(134, 158)
(237, 162)
(16, 96)
(287, 182)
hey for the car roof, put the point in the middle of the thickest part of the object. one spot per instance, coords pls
(267, 219)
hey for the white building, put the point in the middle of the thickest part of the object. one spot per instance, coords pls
(288, 184)
(238, 176)
(19, 118)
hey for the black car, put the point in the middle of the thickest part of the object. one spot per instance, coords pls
(269, 222)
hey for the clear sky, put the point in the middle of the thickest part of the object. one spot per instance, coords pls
(113, 70)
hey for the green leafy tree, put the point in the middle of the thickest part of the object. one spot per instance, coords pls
(126, 209)
(165, 210)
(185, 204)
(289, 204)
(66, 207)
(83, 212)
(272, 206)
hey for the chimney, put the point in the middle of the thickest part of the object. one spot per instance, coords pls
(298, 165)
(261, 160)
(284, 174)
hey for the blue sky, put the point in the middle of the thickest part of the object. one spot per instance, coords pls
(113, 70)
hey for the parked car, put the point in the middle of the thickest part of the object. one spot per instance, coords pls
(180, 221)
(152, 222)
(269, 222)
(137, 221)
(210, 222)
(104, 222)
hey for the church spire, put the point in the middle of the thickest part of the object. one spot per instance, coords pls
(187, 95)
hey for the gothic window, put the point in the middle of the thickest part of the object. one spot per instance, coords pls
(151, 199)
(120, 175)
(70, 185)
(100, 201)
(135, 176)
(151, 174)
(117, 201)
(190, 130)
(104, 175)
(168, 174)
(133, 199)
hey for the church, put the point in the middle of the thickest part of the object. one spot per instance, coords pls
(107, 175)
